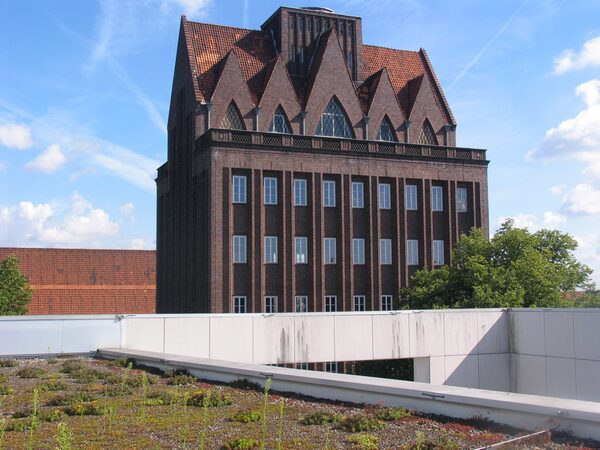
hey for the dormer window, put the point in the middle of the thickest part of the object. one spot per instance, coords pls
(427, 135)
(334, 122)
(232, 119)
(386, 131)
(279, 123)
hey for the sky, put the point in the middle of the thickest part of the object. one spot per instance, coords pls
(85, 87)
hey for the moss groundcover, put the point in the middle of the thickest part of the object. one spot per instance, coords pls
(70, 403)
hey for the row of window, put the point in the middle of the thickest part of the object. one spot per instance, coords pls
(318, 21)
(330, 253)
(358, 194)
(330, 303)
(330, 366)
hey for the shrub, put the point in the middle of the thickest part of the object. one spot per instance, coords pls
(86, 409)
(365, 441)
(72, 365)
(389, 414)
(5, 390)
(52, 386)
(8, 363)
(71, 399)
(241, 444)
(320, 418)
(359, 423)
(180, 378)
(54, 415)
(123, 362)
(18, 425)
(158, 398)
(212, 398)
(137, 380)
(246, 416)
(31, 372)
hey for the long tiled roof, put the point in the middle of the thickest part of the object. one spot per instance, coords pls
(85, 281)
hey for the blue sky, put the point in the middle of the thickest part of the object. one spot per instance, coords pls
(84, 95)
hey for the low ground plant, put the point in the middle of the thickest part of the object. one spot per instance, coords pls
(31, 372)
(64, 437)
(5, 389)
(213, 398)
(52, 386)
(320, 418)
(181, 379)
(390, 414)
(8, 363)
(364, 441)
(246, 416)
(123, 362)
(359, 423)
(70, 399)
(72, 365)
(246, 385)
(241, 444)
(86, 409)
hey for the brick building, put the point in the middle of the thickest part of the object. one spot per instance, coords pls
(84, 281)
(306, 170)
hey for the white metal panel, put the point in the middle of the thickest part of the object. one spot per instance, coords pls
(187, 336)
(314, 338)
(273, 339)
(82, 336)
(587, 335)
(30, 337)
(353, 338)
(426, 334)
(527, 332)
(492, 332)
(460, 333)
(231, 338)
(462, 371)
(391, 336)
(494, 372)
(559, 334)
(144, 333)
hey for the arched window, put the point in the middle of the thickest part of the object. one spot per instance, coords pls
(279, 123)
(427, 135)
(386, 130)
(333, 122)
(232, 119)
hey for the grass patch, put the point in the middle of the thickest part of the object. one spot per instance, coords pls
(71, 399)
(180, 378)
(52, 386)
(86, 409)
(320, 418)
(8, 363)
(241, 444)
(390, 414)
(212, 398)
(5, 389)
(359, 423)
(364, 441)
(31, 372)
(246, 416)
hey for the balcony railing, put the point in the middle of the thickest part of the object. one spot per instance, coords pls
(320, 144)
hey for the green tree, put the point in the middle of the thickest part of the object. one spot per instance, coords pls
(15, 292)
(515, 268)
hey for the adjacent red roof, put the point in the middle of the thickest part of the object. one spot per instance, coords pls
(83, 281)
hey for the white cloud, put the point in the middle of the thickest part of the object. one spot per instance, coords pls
(589, 252)
(583, 199)
(553, 220)
(137, 244)
(43, 224)
(191, 8)
(49, 161)
(126, 210)
(2, 166)
(529, 221)
(14, 135)
(589, 56)
(558, 189)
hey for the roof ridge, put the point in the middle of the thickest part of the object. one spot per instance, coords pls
(226, 26)
(393, 49)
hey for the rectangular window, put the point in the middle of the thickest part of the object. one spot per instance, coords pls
(240, 305)
(359, 303)
(271, 304)
(309, 24)
(387, 303)
(301, 303)
(358, 251)
(358, 197)
(411, 196)
(438, 253)
(412, 252)
(292, 53)
(329, 256)
(437, 201)
(331, 367)
(461, 200)
(318, 26)
(329, 193)
(301, 250)
(270, 186)
(270, 249)
(299, 192)
(239, 189)
(302, 366)
(239, 249)
(301, 23)
(350, 61)
(330, 303)
(385, 201)
(301, 55)
(385, 251)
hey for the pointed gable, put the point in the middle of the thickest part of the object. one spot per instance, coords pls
(421, 111)
(231, 85)
(278, 90)
(382, 102)
(329, 77)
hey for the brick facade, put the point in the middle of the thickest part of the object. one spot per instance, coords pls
(77, 281)
(197, 218)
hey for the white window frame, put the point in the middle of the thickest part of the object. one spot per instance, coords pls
(387, 303)
(385, 251)
(239, 189)
(240, 304)
(359, 303)
(385, 196)
(438, 253)
(271, 304)
(358, 194)
(302, 366)
(270, 191)
(412, 198)
(329, 193)
(301, 250)
(300, 192)
(462, 200)
(331, 367)
(239, 249)
(358, 251)
(412, 252)
(437, 198)
(329, 251)
(271, 250)
(300, 300)
(330, 303)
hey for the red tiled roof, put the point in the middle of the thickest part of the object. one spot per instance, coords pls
(84, 281)
(210, 44)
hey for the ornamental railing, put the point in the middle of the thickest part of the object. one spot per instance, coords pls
(291, 142)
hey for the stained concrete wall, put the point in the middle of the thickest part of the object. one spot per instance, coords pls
(555, 352)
